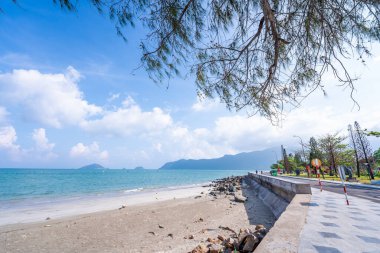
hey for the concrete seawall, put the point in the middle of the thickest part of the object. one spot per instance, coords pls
(289, 202)
(285, 188)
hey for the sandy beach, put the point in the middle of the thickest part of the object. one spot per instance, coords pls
(160, 223)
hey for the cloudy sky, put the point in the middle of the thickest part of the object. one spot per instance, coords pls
(70, 95)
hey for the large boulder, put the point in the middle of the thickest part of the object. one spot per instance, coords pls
(240, 199)
(250, 243)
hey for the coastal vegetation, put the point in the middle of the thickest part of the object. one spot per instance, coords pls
(353, 151)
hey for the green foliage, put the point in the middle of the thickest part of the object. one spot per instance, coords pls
(292, 163)
(258, 55)
(314, 151)
(372, 133)
(333, 148)
(275, 166)
(376, 155)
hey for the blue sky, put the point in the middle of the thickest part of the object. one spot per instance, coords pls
(70, 95)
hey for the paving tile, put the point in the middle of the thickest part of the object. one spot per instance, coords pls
(365, 227)
(369, 239)
(334, 227)
(324, 249)
(330, 235)
(358, 219)
(329, 224)
(329, 216)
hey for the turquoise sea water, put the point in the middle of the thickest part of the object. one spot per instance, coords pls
(26, 184)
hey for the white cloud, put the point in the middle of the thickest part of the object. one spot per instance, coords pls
(129, 119)
(90, 152)
(51, 99)
(42, 142)
(203, 104)
(254, 133)
(43, 148)
(113, 97)
(42, 151)
(8, 138)
(3, 114)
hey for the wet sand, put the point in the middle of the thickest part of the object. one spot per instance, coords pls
(148, 227)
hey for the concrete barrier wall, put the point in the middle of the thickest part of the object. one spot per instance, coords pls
(284, 188)
(276, 203)
(288, 201)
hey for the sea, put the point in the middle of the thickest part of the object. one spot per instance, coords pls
(26, 193)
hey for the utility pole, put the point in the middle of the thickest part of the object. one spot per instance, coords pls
(356, 152)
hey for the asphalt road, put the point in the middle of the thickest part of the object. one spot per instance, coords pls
(352, 190)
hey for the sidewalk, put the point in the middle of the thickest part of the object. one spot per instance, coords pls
(332, 226)
(369, 186)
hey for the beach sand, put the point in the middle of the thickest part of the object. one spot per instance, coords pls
(141, 227)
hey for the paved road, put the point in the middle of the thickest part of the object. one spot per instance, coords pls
(352, 190)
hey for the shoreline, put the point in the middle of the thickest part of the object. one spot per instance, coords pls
(167, 224)
(29, 211)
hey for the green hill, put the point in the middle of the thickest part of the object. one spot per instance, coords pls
(256, 160)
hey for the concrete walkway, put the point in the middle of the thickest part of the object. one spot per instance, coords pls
(333, 227)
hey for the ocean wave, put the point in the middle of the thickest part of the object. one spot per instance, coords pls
(133, 190)
(188, 185)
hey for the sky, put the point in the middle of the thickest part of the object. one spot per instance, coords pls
(72, 93)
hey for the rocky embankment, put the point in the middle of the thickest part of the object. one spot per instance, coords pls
(247, 239)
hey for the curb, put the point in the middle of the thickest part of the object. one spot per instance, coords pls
(285, 235)
(359, 185)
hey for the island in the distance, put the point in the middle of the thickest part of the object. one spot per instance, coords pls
(139, 168)
(93, 166)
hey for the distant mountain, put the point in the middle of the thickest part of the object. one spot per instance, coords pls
(139, 168)
(256, 160)
(93, 166)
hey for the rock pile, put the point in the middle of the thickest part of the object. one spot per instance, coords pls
(226, 186)
(245, 242)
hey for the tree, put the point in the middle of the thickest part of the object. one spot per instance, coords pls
(332, 145)
(286, 160)
(376, 155)
(260, 55)
(298, 158)
(277, 165)
(347, 158)
(353, 143)
(372, 133)
(364, 148)
(314, 151)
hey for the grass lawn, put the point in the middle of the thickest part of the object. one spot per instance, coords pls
(362, 179)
